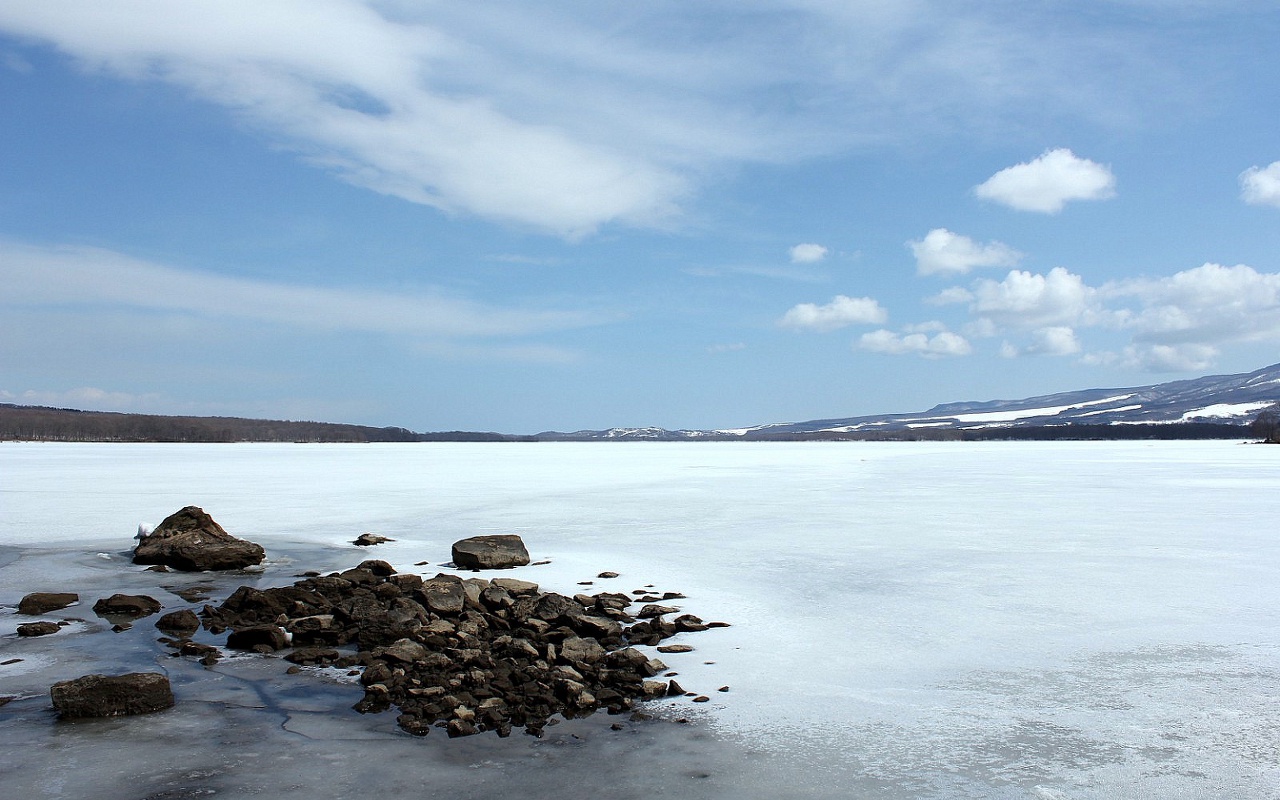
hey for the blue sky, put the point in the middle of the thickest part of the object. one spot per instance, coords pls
(523, 217)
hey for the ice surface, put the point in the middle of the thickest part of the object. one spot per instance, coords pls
(910, 620)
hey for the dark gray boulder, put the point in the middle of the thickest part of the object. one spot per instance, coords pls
(130, 606)
(190, 540)
(184, 622)
(490, 552)
(38, 603)
(37, 628)
(112, 695)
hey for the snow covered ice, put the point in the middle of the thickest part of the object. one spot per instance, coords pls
(910, 620)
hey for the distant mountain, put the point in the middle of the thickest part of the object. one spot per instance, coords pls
(1218, 406)
(1201, 405)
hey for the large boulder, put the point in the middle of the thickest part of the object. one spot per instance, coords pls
(112, 695)
(490, 552)
(190, 540)
(38, 603)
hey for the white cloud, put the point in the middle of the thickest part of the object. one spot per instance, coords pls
(90, 277)
(1170, 358)
(569, 116)
(939, 345)
(942, 251)
(1210, 305)
(1260, 186)
(808, 253)
(1047, 183)
(1027, 300)
(1056, 340)
(839, 313)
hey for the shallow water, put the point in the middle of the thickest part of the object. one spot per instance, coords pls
(1043, 620)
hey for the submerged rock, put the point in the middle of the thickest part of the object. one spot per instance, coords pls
(190, 540)
(112, 695)
(490, 552)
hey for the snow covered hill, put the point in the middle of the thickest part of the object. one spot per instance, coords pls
(1230, 399)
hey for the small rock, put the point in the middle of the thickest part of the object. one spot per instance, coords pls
(127, 605)
(180, 622)
(702, 698)
(37, 628)
(271, 637)
(654, 611)
(607, 575)
(38, 603)
(112, 695)
(516, 587)
(675, 648)
(370, 539)
(723, 689)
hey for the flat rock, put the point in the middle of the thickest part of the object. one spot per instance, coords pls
(38, 603)
(37, 628)
(191, 540)
(675, 648)
(127, 605)
(370, 539)
(490, 552)
(111, 695)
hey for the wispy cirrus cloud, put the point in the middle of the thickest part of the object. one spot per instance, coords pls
(93, 278)
(565, 118)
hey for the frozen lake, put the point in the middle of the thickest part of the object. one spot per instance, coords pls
(910, 620)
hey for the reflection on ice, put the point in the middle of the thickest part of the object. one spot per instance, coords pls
(1050, 620)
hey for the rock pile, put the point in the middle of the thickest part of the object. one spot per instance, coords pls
(466, 655)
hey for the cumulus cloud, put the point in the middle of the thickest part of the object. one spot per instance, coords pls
(1260, 186)
(1210, 304)
(1056, 340)
(839, 313)
(91, 277)
(808, 253)
(1175, 323)
(1029, 300)
(939, 345)
(942, 251)
(1047, 183)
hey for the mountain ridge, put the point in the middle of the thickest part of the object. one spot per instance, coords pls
(1209, 406)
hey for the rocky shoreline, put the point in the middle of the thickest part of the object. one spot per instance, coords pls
(466, 655)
